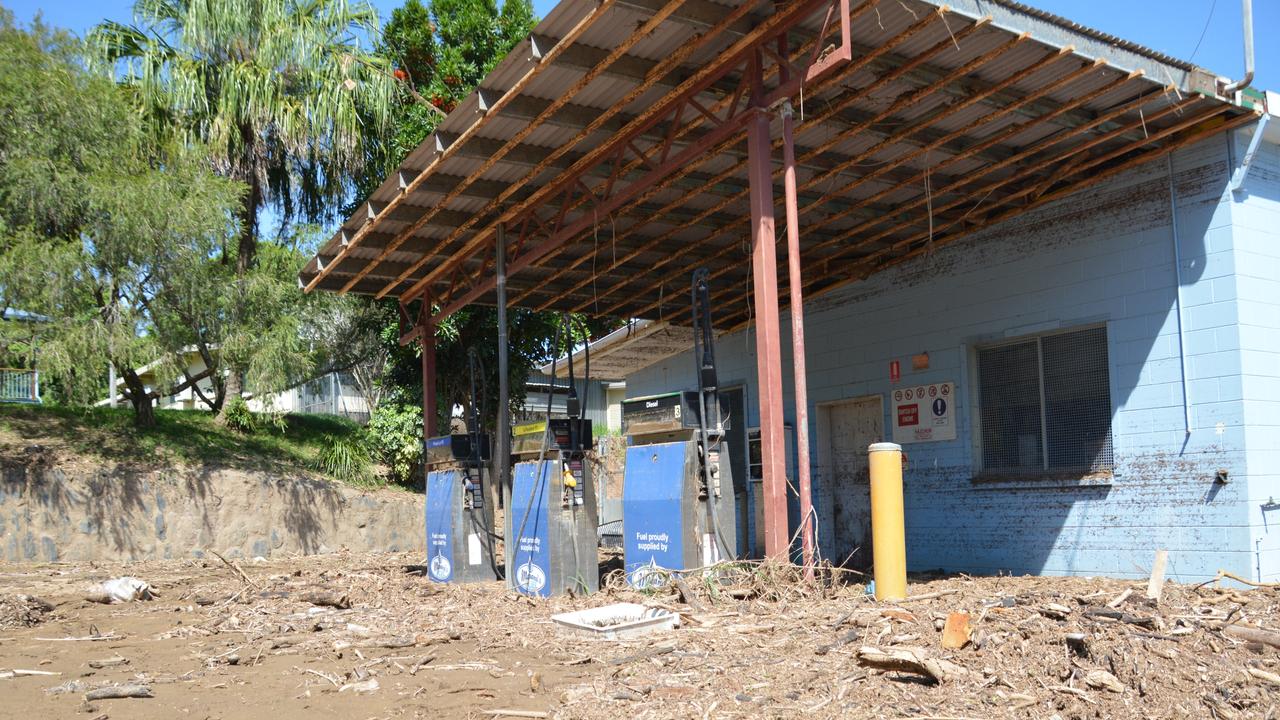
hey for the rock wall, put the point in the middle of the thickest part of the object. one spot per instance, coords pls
(69, 513)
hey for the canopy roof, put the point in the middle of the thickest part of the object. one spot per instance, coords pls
(606, 147)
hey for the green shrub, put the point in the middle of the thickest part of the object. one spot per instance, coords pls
(239, 417)
(345, 459)
(394, 434)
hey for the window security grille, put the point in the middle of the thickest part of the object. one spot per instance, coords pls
(1046, 403)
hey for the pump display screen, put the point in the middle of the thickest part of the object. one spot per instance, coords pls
(662, 413)
(665, 413)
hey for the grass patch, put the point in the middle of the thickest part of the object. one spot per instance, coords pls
(186, 437)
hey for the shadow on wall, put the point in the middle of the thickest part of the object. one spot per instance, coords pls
(51, 514)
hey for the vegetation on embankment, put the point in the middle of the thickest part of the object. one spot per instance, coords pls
(293, 444)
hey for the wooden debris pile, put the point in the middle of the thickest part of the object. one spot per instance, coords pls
(755, 641)
(20, 610)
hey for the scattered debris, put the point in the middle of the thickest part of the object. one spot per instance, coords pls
(1104, 680)
(327, 598)
(956, 632)
(118, 692)
(19, 672)
(364, 687)
(1036, 646)
(121, 590)
(1264, 675)
(236, 569)
(1155, 585)
(23, 610)
(911, 660)
(1250, 634)
(618, 621)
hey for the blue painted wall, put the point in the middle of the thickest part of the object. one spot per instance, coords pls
(1104, 255)
(1256, 218)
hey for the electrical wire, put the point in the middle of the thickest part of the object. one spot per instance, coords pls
(1207, 21)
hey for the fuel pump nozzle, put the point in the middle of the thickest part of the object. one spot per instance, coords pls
(471, 471)
(573, 444)
(710, 429)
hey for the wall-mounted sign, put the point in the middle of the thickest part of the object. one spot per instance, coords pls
(895, 371)
(920, 362)
(924, 413)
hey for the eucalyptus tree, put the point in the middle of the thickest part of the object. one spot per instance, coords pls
(284, 95)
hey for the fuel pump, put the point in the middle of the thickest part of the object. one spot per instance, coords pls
(460, 505)
(553, 516)
(677, 504)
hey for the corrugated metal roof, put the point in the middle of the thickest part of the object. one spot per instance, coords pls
(946, 119)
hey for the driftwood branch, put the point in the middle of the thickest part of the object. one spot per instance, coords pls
(910, 660)
(119, 691)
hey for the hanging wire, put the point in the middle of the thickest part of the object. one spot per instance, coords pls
(595, 249)
(1212, 6)
(928, 200)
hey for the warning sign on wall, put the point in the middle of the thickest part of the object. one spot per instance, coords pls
(924, 413)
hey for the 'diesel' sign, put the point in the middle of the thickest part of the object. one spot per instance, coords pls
(924, 413)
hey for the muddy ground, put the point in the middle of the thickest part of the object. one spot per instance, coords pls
(278, 642)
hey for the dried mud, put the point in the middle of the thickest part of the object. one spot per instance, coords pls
(365, 636)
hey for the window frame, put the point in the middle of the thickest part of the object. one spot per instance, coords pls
(981, 474)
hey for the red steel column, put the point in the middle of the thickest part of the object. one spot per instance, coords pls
(427, 338)
(797, 337)
(764, 266)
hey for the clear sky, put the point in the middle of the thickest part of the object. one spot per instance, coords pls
(1170, 26)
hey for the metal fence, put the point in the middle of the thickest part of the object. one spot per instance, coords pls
(19, 385)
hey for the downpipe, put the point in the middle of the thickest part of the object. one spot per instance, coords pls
(1244, 82)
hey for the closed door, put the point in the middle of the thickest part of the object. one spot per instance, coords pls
(848, 429)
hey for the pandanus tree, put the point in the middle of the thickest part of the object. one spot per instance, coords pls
(286, 96)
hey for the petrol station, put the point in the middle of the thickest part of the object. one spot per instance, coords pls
(651, 159)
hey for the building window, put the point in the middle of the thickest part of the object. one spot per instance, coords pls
(1045, 404)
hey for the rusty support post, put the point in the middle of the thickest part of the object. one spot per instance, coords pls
(764, 266)
(427, 340)
(797, 338)
(502, 425)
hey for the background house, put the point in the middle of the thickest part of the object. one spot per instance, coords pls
(19, 371)
(334, 393)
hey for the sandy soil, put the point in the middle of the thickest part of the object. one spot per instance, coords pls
(756, 644)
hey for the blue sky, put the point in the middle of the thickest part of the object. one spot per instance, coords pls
(1172, 26)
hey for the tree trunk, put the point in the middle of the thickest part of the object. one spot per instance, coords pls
(234, 389)
(248, 249)
(144, 411)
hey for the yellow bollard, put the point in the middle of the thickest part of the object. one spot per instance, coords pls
(888, 536)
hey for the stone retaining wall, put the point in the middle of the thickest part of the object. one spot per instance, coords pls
(57, 513)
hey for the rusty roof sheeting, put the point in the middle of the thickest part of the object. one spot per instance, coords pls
(949, 118)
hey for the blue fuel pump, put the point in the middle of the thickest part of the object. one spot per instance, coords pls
(552, 518)
(677, 503)
(459, 505)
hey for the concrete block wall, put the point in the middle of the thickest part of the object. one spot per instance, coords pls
(1102, 256)
(1256, 219)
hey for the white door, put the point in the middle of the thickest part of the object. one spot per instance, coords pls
(846, 429)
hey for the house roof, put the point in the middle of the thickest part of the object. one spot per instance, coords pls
(632, 347)
(603, 147)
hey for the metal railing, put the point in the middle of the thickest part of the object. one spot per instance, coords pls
(17, 385)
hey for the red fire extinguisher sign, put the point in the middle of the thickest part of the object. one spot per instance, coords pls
(895, 371)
